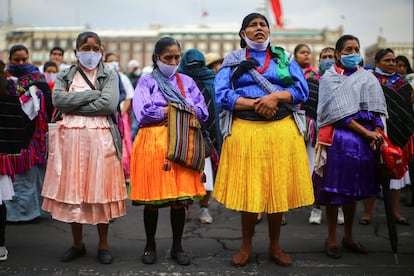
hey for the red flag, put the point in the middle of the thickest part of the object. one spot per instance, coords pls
(204, 14)
(277, 11)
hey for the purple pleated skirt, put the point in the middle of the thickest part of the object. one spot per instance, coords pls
(350, 171)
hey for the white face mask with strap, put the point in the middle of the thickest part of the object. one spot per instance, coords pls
(255, 45)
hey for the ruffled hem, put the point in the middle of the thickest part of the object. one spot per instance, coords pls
(75, 121)
(168, 202)
(84, 213)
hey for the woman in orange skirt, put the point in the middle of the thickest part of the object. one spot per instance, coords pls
(153, 184)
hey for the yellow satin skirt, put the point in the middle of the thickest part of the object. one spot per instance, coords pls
(150, 184)
(264, 168)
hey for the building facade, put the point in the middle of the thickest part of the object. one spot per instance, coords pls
(139, 44)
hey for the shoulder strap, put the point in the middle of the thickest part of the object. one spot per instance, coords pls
(86, 78)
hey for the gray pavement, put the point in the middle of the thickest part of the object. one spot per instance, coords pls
(35, 248)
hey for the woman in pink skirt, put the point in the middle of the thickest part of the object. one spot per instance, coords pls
(84, 182)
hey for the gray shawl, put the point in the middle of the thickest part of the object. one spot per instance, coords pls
(341, 96)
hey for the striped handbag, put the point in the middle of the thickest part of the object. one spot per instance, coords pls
(185, 138)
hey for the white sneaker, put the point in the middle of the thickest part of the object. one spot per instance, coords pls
(3, 253)
(316, 216)
(205, 217)
(340, 219)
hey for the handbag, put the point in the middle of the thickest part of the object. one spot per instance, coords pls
(185, 138)
(394, 158)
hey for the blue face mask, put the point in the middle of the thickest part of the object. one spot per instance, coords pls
(379, 71)
(351, 61)
(325, 65)
(166, 70)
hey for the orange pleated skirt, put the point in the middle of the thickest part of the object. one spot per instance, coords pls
(149, 183)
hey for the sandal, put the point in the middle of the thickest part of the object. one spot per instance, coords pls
(282, 259)
(355, 247)
(332, 251)
(403, 221)
(241, 258)
(364, 221)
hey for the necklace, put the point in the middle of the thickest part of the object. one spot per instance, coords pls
(266, 63)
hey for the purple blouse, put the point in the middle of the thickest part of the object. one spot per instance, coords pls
(148, 101)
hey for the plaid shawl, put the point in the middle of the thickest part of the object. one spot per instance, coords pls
(341, 96)
(400, 124)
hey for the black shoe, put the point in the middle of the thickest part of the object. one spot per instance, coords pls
(105, 256)
(149, 256)
(181, 257)
(73, 253)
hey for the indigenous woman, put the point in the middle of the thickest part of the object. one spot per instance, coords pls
(263, 165)
(156, 183)
(84, 182)
(25, 104)
(27, 86)
(399, 125)
(350, 104)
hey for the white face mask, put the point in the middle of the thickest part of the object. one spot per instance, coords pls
(113, 64)
(255, 45)
(89, 60)
(50, 77)
(165, 69)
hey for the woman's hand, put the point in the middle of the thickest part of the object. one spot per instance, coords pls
(376, 139)
(266, 106)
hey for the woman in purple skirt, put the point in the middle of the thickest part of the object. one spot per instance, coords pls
(349, 112)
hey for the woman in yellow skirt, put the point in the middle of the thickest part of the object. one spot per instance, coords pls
(153, 184)
(263, 165)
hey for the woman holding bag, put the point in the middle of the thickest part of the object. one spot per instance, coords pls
(84, 182)
(155, 181)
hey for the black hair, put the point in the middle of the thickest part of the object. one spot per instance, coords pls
(161, 45)
(83, 38)
(50, 64)
(245, 23)
(326, 49)
(15, 48)
(404, 59)
(57, 48)
(341, 41)
(108, 55)
(381, 53)
(299, 46)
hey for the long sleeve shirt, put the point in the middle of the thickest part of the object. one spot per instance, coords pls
(227, 93)
(148, 102)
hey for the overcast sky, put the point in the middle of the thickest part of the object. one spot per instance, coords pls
(366, 19)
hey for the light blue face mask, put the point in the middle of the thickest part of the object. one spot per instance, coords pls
(166, 70)
(379, 71)
(351, 61)
(325, 65)
(89, 60)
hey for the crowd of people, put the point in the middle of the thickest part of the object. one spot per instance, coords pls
(276, 134)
